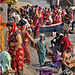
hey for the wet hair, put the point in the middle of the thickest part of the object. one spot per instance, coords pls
(1, 9)
(69, 47)
(9, 24)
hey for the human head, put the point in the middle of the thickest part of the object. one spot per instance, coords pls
(69, 48)
(9, 26)
(66, 16)
(54, 56)
(55, 30)
(57, 34)
(23, 16)
(66, 7)
(42, 36)
(1, 9)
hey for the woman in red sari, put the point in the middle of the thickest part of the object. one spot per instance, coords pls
(15, 48)
(66, 43)
(36, 32)
(26, 38)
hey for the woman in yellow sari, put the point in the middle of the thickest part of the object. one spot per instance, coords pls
(2, 43)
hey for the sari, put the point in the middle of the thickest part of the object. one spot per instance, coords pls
(26, 46)
(5, 62)
(57, 60)
(36, 32)
(66, 43)
(2, 41)
(18, 59)
(43, 51)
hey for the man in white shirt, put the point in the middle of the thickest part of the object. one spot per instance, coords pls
(27, 23)
(17, 18)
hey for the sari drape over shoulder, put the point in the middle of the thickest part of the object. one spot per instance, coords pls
(17, 60)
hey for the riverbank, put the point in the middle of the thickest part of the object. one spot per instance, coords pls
(30, 70)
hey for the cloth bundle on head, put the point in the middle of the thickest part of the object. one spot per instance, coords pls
(42, 35)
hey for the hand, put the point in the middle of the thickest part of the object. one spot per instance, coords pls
(14, 52)
(40, 51)
(33, 44)
(11, 44)
(47, 52)
(10, 71)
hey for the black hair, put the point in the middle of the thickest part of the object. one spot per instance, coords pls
(17, 12)
(1, 9)
(55, 30)
(10, 24)
(67, 15)
(69, 47)
(57, 34)
(55, 51)
(23, 15)
(36, 6)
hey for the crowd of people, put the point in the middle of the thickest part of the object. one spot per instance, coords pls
(21, 22)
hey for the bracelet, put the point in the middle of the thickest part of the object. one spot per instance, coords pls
(6, 73)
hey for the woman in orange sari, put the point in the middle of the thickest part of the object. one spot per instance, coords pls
(2, 42)
(15, 47)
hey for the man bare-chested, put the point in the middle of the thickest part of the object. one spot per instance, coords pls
(68, 61)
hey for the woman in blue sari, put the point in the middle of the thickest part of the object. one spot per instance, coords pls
(42, 49)
(5, 64)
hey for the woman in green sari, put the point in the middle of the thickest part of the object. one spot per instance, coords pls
(42, 49)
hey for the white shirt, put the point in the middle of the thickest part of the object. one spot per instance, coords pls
(54, 34)
(13, 14)
(17, 18)
(27, 23)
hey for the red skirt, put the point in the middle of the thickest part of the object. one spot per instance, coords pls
(18, 59)
(26, 53)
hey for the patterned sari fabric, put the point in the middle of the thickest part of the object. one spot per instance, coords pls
(26, 46)
(36, 32)
(17, 60)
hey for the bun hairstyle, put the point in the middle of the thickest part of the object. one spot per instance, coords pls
(69, 47)
(9, 24)
(1, 9)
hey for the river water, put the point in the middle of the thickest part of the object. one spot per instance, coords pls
(43, 3)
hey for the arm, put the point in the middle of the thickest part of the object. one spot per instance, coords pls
(64, 60)
(31, 39)
(8, 72)
(47, 49)
(68, 27)
(38, 48)
(19, 42)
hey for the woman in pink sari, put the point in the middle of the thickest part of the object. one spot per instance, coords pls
(63, 15)
(56, 18)
(36, 32)
(41, 19)
(26, 38)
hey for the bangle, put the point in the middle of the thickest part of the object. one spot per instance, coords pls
(6, 73)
